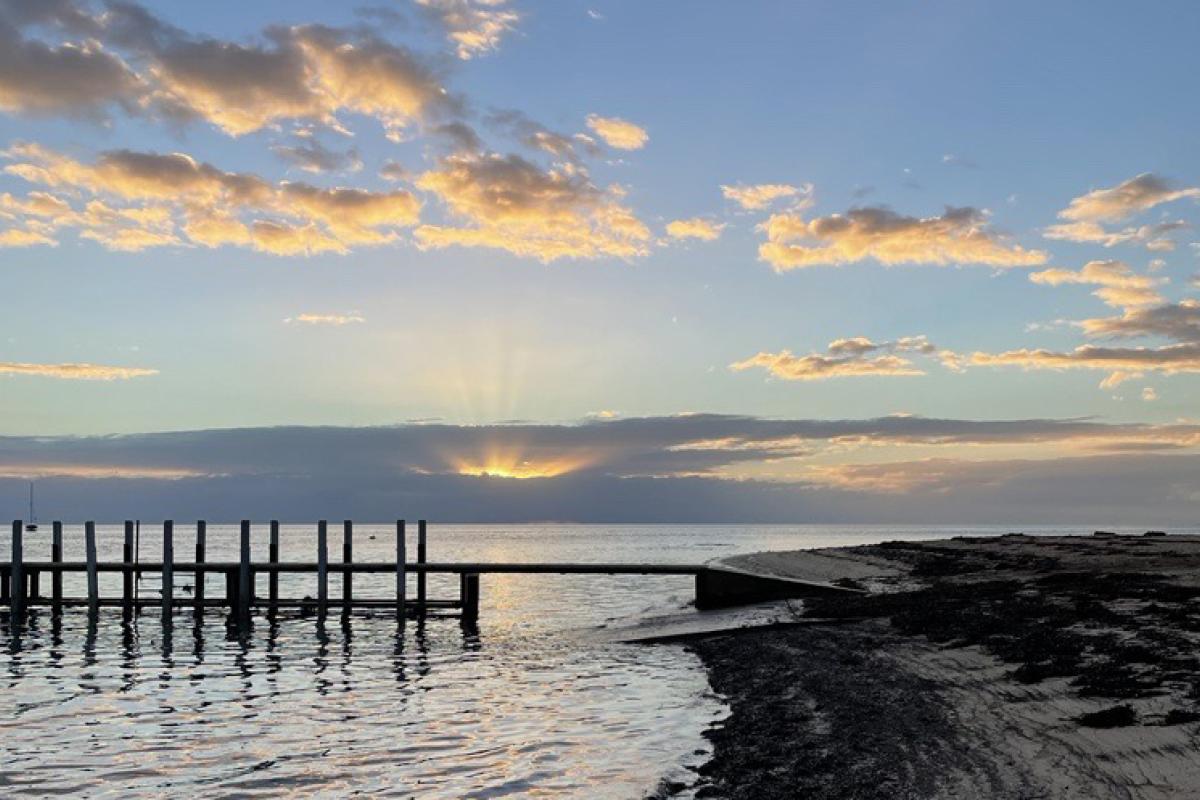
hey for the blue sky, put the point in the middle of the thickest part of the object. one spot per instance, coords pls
(492, 280)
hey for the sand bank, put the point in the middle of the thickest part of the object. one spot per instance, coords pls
(1013, 666)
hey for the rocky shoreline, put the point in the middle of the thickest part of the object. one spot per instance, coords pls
(1014, 666)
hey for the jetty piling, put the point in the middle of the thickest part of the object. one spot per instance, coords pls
(56, 557)
(127, 571)
(401, 576)
(168, 568)
(198, 578)
(322, 567)
(245, 577)
(17, 590)
(421, 553)
(347, 558)
(93, 579)
(273, 577)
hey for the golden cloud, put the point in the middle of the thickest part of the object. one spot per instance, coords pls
(173, 199)
(761, 195)
(474, 26)
(514, 205)
(851, 357)
(618, 133)
(694, 228)
(78, 372)
(327, 319)
(959, 236)
(1119, 285)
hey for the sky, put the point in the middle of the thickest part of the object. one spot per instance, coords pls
(601, 261)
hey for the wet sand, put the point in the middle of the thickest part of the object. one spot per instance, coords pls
(1011, 667)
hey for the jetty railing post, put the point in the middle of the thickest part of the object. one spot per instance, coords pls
(401, 576)
(245, 581)
(168, 567)
(347, 559)
(273, 557)
(18, 570)
(201, 546)
(421, 553)
(93, 581)
(322, 566)
(127, 570)
(56, 557)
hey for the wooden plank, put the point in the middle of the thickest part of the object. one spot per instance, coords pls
(93, 582)
(273, 557)
(128, 572)
(421, 553)
(56, 554)
(17, 591)
(168, 568)
(401, 574)
(245, 581)
(322, 566)
(347, 558)
(201, 547)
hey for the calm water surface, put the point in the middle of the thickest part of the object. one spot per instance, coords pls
(532, 703)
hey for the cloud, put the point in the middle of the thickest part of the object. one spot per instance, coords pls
(513, 204)
(618, 133)
(143, 200)
(1119, 285)
(1122, 363)
(959, 236)
(1149, 394)
(761, 195)
(855, 357)
(474, 26)
(73, 78)
(536, 136)
(314, 157)
(1085, 216)
(310, 73)
(75, 372)
(694, 228)
(1176, 321)
(327, 319)
(1125, 199)
(640, 469)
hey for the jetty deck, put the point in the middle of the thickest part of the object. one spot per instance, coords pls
(28, 583)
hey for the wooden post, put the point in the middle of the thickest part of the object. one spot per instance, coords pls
(273, 557)
(127, 570)
(18, 570)
(93, 582)
(56, 557)
(470, 597)
(401, 576)
(322, 566)
(245, 582)
(168, 567)
(201, 546)
(421, 560)
(347, 559)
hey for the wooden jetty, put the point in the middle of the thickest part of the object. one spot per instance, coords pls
(21, 585)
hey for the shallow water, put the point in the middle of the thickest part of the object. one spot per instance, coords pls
(532, 703)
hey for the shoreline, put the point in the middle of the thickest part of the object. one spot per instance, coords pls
(1008, 666)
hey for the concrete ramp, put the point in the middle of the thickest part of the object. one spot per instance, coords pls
(722, 586)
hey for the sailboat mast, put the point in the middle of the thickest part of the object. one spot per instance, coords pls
(32, 516)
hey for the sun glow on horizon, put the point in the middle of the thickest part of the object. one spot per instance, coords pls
(516, 463)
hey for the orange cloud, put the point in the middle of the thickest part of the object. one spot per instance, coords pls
(78, 372)
(694, 228)
(959, 236)
(618, 133)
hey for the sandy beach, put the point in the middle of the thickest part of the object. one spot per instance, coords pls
(1012, 666)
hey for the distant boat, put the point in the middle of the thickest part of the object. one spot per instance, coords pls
(32, 524)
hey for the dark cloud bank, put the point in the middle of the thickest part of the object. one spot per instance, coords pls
(637, 470)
